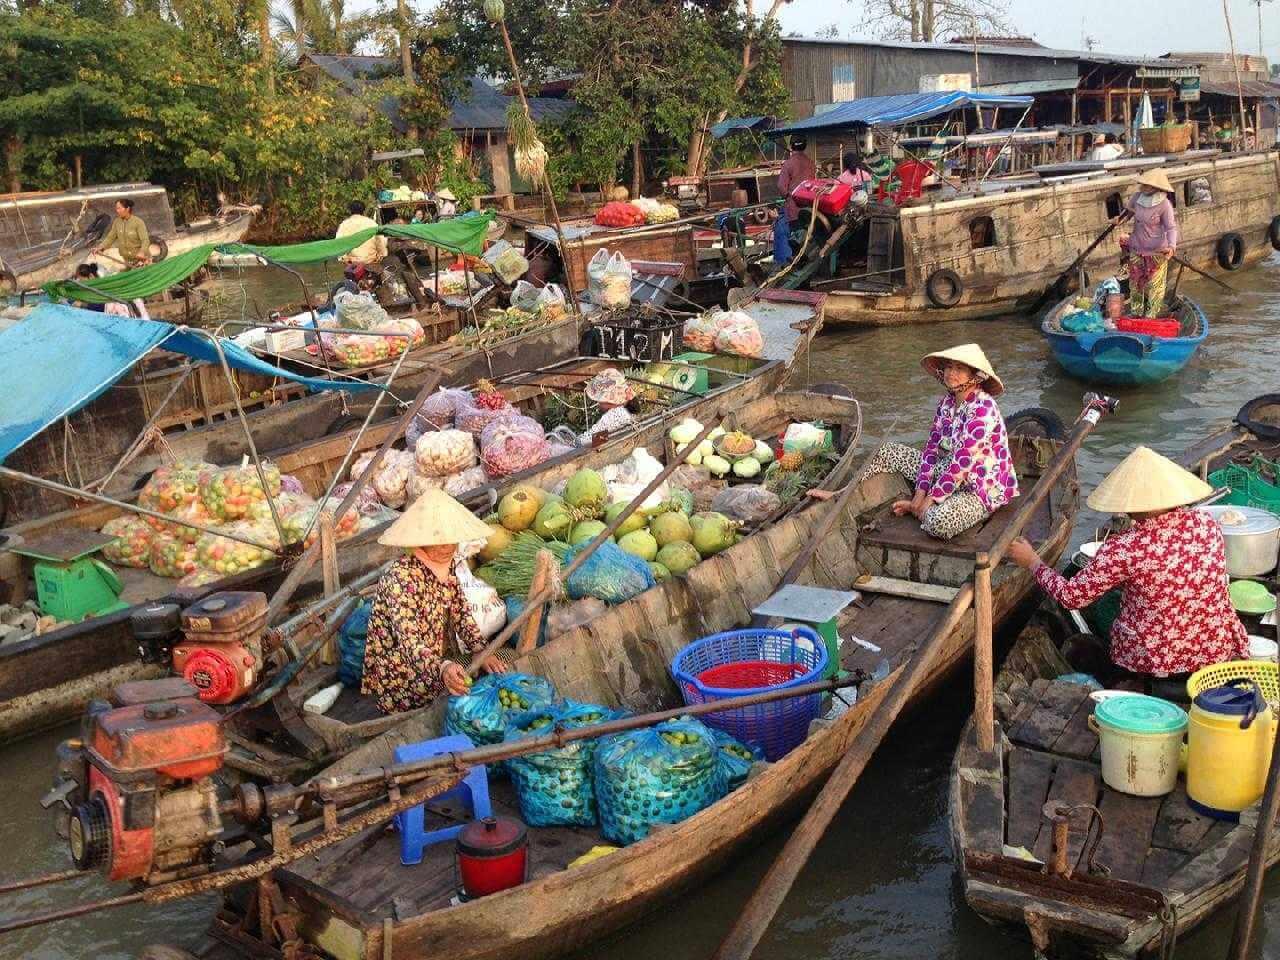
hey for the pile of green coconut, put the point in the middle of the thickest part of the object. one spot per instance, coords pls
(670, 536)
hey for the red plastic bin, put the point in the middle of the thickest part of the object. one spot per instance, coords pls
(832, 196)
(1155, 326)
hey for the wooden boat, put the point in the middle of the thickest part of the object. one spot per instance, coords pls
(355, 900)
(1126, 359)
(47, 679)
(925, 261)
(1155, 869)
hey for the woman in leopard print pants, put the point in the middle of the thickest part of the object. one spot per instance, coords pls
(965, 472)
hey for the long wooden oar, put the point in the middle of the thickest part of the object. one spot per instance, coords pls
(1208, 276)
(1246, 920)
(538, 599)
(1051, 289)
(756, 916)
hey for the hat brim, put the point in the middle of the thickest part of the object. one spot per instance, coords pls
(992, 384)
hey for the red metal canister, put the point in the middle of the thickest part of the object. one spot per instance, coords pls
(493, 855)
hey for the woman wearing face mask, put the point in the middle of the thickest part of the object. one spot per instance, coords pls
(420, 627)
(1152, 243)
(1171, 567)
(965, 472)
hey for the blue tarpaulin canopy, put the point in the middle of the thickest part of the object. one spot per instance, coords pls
(59, 358)
(725, 127)
(899, 109)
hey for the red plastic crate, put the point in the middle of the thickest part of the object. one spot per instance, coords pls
(832, 196)
(1155, 326)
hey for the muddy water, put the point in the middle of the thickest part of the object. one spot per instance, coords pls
(882, 883)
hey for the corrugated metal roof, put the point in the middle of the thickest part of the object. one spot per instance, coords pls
(483, 108)
(1032, 86)
(1249, 88)
(1040, 53)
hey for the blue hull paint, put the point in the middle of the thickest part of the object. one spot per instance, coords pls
(1123, 359)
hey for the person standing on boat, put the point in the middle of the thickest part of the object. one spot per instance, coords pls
(797, 168)
(420, 627)
(1175, 614)
(128, 235)
(1105, 148)
(372, 250)
(1152, 243)
(965, 472)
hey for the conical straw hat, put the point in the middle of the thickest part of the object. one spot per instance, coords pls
(970, 354)
(435, 518)
(1144, 481)
(1157, 179)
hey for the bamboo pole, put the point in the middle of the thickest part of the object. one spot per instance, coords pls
(983, 656)
(1231, 44)
(772, 890)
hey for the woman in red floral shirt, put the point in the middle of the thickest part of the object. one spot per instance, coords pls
(1171, 566)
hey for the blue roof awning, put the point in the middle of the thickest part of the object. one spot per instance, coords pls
(62, 358)
(725, 127)
(899, 109)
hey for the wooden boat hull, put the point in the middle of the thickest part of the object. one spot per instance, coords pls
(43, 684)
(621, 659)
(1039, 231)
(1194, 864)
(1123, 359)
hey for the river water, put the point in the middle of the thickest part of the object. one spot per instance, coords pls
(882, 883)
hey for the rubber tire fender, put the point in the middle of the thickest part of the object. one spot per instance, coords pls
(1273, 232)
(1230, 251)
(1049, 424)
(941, 278)
(1244, 417)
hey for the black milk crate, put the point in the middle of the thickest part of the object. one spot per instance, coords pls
(623, 340)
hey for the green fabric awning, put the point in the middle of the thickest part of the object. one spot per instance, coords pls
(464, 234)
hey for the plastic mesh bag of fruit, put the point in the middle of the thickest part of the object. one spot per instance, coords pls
(361, 463)
(482, 713)
(200, 578)
(436, 413)
(366, 504)
(359, 311)
(444, 452)
(749, 503)
(132, 544)
(515, 451)
(661, 774)
(609, 574)
(461, 483)
(391, 479)
(172, 557)
(474, 417)
(227, 557)
(742, 338)
(736, 758)
(517, 423)
(193, 513)
(230, 492)
(173, 486)
(700, 334)
(555, 788)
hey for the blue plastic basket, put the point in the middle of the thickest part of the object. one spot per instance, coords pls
(741, 662)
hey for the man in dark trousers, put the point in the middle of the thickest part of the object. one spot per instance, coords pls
(797, 168)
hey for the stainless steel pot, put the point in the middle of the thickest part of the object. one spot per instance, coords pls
(1253, 545)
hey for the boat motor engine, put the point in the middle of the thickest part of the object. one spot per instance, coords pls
(220, 652)
(139, 785)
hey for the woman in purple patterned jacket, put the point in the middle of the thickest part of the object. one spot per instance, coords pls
(965, 472)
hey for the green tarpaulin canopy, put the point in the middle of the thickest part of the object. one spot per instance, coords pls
(464, 234)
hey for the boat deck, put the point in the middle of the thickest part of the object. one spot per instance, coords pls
(1137, 855)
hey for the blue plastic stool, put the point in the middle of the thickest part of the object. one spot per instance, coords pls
(473, 792)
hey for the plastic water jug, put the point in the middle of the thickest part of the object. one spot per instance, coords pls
(1229, 742)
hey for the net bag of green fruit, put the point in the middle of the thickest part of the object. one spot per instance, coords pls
(230, 493)
(482, 714)
(555, 787)
(661, 774)
(609, 574)
(132, 544)
(735, 757)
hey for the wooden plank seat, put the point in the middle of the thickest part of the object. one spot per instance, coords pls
(904, 533)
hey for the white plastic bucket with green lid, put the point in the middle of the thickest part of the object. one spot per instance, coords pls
(1141, 740)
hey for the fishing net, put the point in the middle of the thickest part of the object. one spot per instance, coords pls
(661, 774)
(555, 788)
(609, 574)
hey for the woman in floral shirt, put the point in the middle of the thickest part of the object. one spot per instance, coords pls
(1171, 567)
(420, 615)
(965, 472)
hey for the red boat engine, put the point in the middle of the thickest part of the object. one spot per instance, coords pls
(221, 649)
(140, 785)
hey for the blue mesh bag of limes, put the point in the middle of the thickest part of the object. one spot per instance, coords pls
(661, 774)
(482, 714)
(555, 787)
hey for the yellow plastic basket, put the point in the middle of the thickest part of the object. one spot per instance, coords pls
(1263, 672)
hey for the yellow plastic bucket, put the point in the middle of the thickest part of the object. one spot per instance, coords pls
(1230, 736)
(1141, 742)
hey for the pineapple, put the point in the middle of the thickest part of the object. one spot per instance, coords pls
(790, 461)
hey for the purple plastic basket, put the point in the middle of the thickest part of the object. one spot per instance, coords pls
(741, 662)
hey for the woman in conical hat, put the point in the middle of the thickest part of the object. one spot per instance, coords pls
(1151, 244)
(965, 472)
(1171, 568)
(420, 621)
